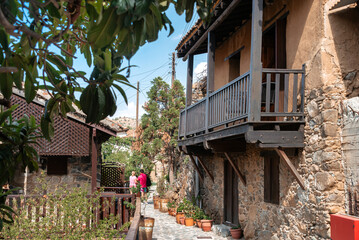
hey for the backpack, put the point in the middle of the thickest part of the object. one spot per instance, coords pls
(148, 181)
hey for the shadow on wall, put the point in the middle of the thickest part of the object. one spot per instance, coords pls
(345, 29)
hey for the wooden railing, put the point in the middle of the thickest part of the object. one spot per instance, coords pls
(133, 231)
(229, 103)
(281, 89)
(283, 94)
(110, 203)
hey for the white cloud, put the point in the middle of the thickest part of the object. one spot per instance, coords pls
(129, 111)
(177, 37)
(200, 70)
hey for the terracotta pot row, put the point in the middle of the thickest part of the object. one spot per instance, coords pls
(206, 225)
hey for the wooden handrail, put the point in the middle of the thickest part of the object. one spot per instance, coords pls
(133, 231)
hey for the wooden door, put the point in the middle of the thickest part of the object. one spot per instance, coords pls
(230, 194)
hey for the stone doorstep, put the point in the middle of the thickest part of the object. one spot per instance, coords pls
(221, 230)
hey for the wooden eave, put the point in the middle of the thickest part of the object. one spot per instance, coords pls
(230, 21)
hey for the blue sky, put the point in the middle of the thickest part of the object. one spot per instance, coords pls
(153, 60)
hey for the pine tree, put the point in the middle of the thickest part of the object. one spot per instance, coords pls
(160, 123)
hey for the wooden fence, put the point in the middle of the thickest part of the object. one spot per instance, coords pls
(110, 203)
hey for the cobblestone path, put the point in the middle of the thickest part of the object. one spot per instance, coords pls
(166, 228)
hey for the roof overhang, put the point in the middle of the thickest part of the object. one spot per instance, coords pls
(228, 17)
(342, 3)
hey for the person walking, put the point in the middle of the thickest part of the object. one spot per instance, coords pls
(143, 180)
(133, 181)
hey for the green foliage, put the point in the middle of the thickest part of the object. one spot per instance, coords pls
(18, 138)
(6, 212)
(162, 187)
(39, 40)
(198, 214)
(160, 121)
(237, 227)
(171, 204)
(67, 215)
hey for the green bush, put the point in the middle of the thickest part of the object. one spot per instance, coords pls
(68, 215)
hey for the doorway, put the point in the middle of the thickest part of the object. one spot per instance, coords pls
(230, 194)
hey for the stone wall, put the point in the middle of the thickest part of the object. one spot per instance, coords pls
(78, 175)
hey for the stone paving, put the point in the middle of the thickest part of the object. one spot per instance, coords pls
(166, 228)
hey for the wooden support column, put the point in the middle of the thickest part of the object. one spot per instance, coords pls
(210, 72)
(196, 167)
(93, 161)
(256, 64)
(240, 175)
(211, 47)
(205, 168)
(283, 156)
(189, 81)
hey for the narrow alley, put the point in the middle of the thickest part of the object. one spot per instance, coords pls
(166, 228)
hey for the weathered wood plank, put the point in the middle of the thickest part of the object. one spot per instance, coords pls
(286, 91)
(291, 167)
(205, 168)
(256, 62)
(277, 85)
(189, 80)
(241, 177)
(268, 88)
(295, 89)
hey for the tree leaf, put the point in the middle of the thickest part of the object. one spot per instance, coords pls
(6, 84)
(30, 90)
(102, 34)
(88, 55)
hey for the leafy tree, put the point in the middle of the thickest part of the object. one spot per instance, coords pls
(160, 122)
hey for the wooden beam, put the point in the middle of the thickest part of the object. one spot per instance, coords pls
(196, 167)
(216, 23)
(256, 62)
(239, 174)
(291, 167)
(93, 161)
(189, 81)
(205, 168)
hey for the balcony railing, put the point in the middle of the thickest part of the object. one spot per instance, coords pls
(282, 99)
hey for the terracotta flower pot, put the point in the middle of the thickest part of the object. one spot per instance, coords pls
(156, 202)
(206, 225)
(199, 223)
(146, 228)
(182, 220)
(236, 233)
(178, 216)
(163, 204)
(189, 222)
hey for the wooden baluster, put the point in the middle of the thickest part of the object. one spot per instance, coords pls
(286, 89)
(350, 203)
(302, 90)
(295, 89)
(120, 210)
(268, 88)
(277, 85)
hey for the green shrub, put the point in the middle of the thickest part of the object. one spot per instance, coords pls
(69, 215)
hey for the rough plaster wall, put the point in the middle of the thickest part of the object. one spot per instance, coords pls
(350, 141)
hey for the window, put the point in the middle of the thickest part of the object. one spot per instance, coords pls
(271, 178)
(56, 165)
(234, 64)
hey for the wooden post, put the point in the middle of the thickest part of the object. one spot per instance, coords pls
(256, 64)
(189, 81)
(196, 167)
(173, 68)
(283, 156)
(210, 71)
(93, 161)
(239, 174)
(137, 104)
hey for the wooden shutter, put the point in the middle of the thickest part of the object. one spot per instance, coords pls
(271, 179)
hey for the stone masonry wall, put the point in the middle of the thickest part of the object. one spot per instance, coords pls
(78, 175)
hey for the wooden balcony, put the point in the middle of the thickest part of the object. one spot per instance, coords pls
(225, 113)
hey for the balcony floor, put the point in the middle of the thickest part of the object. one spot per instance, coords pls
(266, 134)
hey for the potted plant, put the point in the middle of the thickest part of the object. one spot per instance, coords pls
(189, 222)
(136, 190)
(132, 208)
(198, 216)
(206, 223)
(236, 232)
(171, 207)
(179, 212)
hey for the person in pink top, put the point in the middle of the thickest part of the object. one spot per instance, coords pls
(133, 180)
(143, 180)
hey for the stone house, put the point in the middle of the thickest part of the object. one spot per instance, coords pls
(275, 140)
(75, 148)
